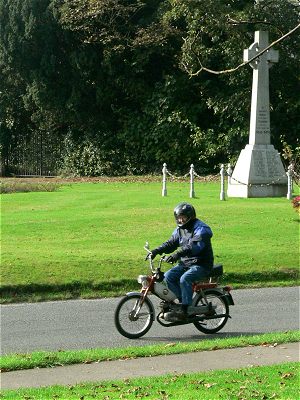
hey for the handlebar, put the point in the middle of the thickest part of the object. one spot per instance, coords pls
(162, 258)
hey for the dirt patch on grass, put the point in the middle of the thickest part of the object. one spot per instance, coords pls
(101, 179)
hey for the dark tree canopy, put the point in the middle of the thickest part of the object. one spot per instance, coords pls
(114, 86)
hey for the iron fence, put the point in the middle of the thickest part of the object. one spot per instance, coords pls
(37, 155)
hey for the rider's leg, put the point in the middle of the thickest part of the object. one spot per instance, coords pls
(172, 278)
(196, 273)
(180, 281)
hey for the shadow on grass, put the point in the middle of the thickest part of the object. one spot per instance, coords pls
(66, 291)
(254, 278)
(75, 290)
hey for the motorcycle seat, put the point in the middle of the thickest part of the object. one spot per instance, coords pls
(217, 270)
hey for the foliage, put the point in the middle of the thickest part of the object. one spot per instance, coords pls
(86, 158)
(291, 156)
(215, 38)
(296, 203)
(119, 78)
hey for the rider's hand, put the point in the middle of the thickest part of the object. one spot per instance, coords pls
(152, 254)
(172, 258)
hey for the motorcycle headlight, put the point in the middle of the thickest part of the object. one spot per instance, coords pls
(143, 279)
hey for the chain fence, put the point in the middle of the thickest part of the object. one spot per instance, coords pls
(291, 174)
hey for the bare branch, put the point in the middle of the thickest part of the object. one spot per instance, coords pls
(246, 62)
(235, 22)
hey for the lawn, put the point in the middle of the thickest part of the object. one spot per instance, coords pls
(268, 382)
(86, 239)
(49, 359)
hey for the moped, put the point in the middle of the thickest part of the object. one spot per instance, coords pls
(135, 313)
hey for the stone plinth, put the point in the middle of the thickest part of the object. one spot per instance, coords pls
(258, 173)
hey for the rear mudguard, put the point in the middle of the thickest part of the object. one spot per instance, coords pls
(229, 299)
(227, 296)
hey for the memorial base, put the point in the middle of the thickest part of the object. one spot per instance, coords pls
(259, 172)
(257, 191)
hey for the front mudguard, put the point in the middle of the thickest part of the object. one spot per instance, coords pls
(135, 294)
(131, 294)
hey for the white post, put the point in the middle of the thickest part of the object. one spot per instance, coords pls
(192, 192)
(290, 182)
(164, 181)
(222, 173)
(229, 173)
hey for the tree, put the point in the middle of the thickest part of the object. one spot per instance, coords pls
(136, 52)
(115, 82)
(33, 71)
(215, 39)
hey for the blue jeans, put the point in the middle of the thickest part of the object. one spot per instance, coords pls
(179, 279)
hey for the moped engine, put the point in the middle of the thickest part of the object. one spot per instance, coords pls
(162, 291)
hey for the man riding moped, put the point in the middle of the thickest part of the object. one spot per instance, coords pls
(194, 256)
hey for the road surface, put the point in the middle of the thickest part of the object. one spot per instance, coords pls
(83, 324)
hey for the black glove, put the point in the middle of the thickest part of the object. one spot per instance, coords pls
(172, 258)
(153, 254)
(159, 275)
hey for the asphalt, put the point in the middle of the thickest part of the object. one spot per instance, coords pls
(152, 366)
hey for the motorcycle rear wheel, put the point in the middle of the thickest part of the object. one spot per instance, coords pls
(220, 306)
(127, 322)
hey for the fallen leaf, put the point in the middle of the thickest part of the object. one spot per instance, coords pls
(287, 375)
(209, 385)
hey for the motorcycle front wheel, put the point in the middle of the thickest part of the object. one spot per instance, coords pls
(132, 319)
(220, 307)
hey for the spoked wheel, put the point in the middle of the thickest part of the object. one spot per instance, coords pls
(219, 306)
(131, 319)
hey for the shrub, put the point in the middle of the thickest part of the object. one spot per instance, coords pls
(87, 158)
(296, 203)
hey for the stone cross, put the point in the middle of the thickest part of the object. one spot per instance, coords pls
(259, 171)
(260, 106)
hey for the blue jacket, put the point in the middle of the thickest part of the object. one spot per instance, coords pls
(194, 242)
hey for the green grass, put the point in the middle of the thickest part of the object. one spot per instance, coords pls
(46, 359)
(86, 239)
(267, 382)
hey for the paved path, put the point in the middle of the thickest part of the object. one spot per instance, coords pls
(85, 324)
(152, 366)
